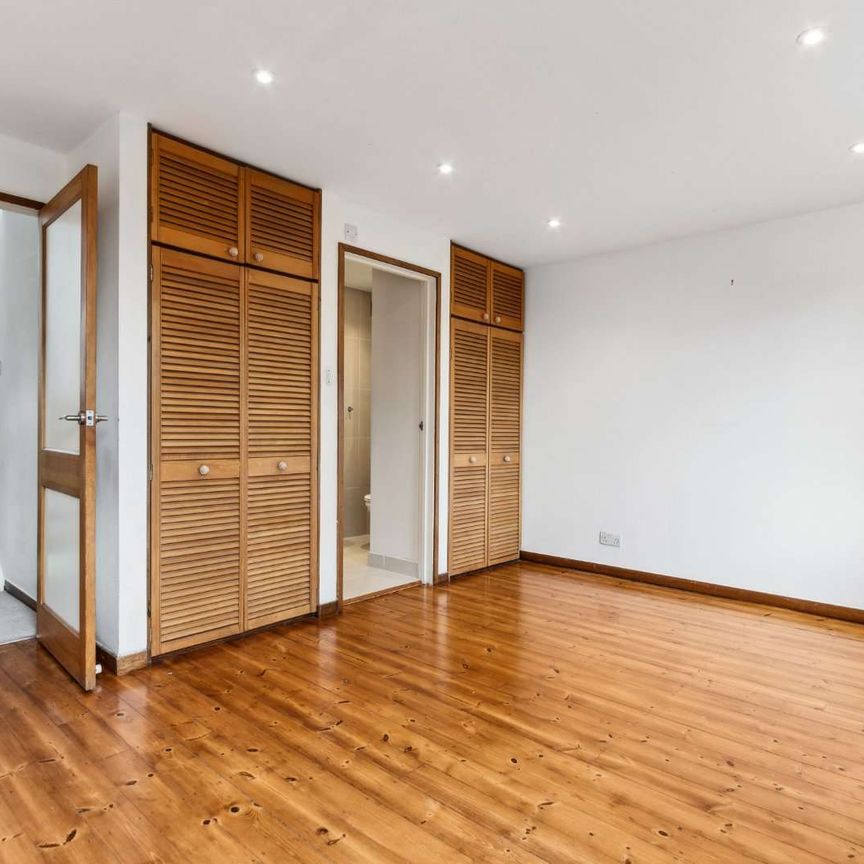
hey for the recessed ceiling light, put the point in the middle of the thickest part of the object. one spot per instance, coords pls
(858, 148)
(445, 168)
(811, 37)
(553, 223)
(262, 76)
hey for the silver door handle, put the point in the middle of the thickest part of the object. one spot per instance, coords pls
(85, 418)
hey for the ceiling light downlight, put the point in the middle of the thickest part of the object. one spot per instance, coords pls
(445, 168)
(858, 148)
(812, 37)
(263, 76)
(553, 223)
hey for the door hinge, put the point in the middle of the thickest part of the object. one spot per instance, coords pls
(151, 272)
(150, 473)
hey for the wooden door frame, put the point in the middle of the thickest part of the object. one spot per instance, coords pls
(345, 250)
(19, 203)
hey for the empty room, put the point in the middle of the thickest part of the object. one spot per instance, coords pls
(431, 432)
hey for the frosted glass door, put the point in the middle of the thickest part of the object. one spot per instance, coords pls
(62, 554)
(63, 330)
(65, 603)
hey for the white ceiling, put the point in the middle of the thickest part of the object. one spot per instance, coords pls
(632, 121)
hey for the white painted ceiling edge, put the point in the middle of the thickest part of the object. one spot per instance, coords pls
(631, 122)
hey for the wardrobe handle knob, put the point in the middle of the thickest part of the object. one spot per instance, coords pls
(497, 319)
(282, 466)
(258, 256)
(233, 251)
(507, 459)
(204, 470)
(472, 459)
(485, 316)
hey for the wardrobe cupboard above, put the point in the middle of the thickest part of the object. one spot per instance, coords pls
(486, 290)
(214, 206)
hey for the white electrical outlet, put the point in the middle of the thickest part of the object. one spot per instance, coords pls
(607, 539)
(351, 233)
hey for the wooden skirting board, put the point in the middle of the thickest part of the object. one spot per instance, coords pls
(121, 665)
(18, 594)
(328, 610)
(811, 607)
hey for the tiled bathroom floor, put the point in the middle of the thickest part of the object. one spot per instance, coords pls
(358, 577)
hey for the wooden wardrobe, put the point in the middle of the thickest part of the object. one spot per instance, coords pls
(234, 414)
(487, 300)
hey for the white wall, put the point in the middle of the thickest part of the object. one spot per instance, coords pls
(133, 400)
(393, 237)
(30, 171)
(19, 382)
(705, 399)
(397, 408)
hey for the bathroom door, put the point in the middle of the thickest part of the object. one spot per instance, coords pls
(66, 609)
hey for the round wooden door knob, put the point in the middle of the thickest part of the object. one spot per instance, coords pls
(497, 319)
(472, 459)
(485, 316)
(233, 251)
(204, 470)
(282, 466)
(507, 459)
(258, 256)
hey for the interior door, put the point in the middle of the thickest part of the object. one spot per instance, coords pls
(470, 294)
(469, 445)
(281, 403)
(66, 610)
(505, 440)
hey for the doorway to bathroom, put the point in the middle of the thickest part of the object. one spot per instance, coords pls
(388, 386)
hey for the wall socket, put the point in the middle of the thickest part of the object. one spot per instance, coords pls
(607, 539)
(351, 233)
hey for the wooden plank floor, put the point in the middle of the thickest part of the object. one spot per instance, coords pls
(524, 714)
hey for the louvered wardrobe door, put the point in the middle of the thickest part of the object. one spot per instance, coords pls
(196, 519)
(505, 427)
(282, 379)
(196, 200)
(469, 292)
(507, 296)
(282, 225)
(469, 445)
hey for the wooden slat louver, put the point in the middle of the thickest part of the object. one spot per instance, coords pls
(196, 199)
(282, 225)
(507, 296)
(199, 372)
(505, 375)
(469, 274)
(199, 561)
(282, 435)
(469, 439)
(197, 449)
(279, 560)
